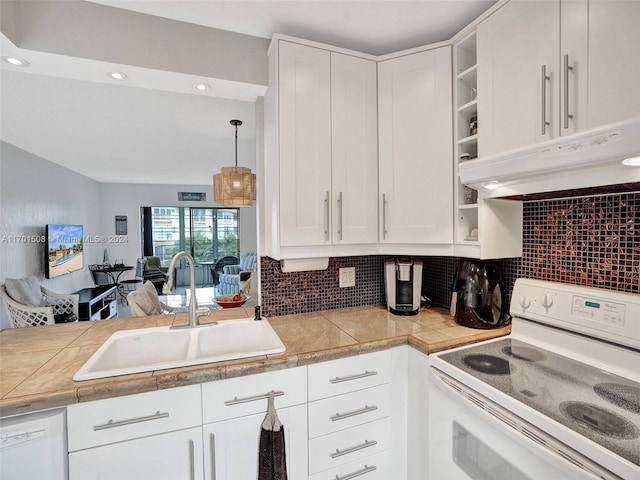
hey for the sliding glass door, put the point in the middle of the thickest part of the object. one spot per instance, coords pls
(206, 233)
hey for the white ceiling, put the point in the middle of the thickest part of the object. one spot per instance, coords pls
(129, 134)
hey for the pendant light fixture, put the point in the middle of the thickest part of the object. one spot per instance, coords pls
(235, 186)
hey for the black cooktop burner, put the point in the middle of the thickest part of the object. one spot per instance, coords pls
(624, 396)
(524, 353)
(487, 364)
(599, 419)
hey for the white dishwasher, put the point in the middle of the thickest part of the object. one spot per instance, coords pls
(34, 446)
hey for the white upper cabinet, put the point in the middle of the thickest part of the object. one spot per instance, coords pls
(552, 68)
(415, 148)
(320, 179)
(354, 129)
(516, 46)
(305, 144)
(601, 41)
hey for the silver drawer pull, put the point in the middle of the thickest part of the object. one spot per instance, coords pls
(364, 471)
(237, 400)
(353, 413)
(366, 373)
(366, 444)
(130, 421)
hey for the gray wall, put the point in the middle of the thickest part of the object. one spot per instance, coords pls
(35, 192)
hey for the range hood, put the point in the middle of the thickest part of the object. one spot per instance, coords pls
(587, 159)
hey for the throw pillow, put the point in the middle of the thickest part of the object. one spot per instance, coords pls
(147, 299)
(25, 291)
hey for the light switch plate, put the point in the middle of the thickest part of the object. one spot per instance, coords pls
(347, 277)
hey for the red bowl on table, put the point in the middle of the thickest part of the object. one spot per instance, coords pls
(225, 302)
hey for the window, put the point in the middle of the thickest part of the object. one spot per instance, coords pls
(206, 233)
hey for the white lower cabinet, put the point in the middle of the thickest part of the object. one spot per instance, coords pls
(170, 456)
(149, 435)
(355, 417)
(373, 467)
(333, 450)
(342, 419)
(231, 446)
(233, 411)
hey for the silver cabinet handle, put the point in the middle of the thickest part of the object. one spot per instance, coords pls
(366, 373)
(347, 451)
(363, 471)
(192, 461)
(353, 413)
(340, 216)
(237, 400)
(543, 80)
(567, 68)
(384, 216)
(326, 216)
(120, 423)
(212, 447)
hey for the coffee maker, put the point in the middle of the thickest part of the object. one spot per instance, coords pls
(478, 298)
(403, 281)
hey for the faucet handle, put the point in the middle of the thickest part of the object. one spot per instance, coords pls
(203, 311)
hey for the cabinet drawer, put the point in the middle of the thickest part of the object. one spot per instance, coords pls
(374, 467)
(336, 377)
(123, 418)
(345, 446)
(216, 395)
(345, 411)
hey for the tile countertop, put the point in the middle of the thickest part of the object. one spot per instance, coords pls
(37, 364)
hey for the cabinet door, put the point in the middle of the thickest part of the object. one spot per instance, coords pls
(514, 45)
(171, 456)
(415, 146)
(354, 111)
(305, 144)
(601, 39)
(231, 446)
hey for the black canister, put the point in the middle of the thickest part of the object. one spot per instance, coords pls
(478, 297)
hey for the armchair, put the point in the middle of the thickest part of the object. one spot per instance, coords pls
(29, 304)
(234, 275)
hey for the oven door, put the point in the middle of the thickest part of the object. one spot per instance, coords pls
(469, 440)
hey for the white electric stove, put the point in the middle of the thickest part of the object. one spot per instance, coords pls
(559, 398)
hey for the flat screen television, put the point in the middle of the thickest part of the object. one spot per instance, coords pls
(64, 249)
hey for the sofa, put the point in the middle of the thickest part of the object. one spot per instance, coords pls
(233, 276)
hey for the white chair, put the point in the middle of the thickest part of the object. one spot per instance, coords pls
(144, 301)
(64, 307)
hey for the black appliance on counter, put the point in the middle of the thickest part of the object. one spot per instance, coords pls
(403, 281)
(478, 298)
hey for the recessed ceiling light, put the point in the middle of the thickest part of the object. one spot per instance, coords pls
(201, 87)
(117, 75)
(15, 61)
(632, 161)
(492, 185)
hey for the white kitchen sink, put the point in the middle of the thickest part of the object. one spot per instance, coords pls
(149, 349)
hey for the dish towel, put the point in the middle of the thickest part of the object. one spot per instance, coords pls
(272, 462)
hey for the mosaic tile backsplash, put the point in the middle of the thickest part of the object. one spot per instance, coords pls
(592, 241)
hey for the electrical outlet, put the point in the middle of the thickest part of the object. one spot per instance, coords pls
(347, 277)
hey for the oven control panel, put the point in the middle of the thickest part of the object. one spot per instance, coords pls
(604, 314)
(590, 308)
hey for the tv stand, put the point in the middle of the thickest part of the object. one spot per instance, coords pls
(97, 303)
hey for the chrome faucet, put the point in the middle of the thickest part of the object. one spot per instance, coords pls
(194, 311)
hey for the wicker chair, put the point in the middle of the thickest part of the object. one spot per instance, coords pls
(65, 307)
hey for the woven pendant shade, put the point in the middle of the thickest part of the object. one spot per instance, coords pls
(235, 186)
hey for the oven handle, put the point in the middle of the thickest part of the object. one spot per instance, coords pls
(512, 421)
